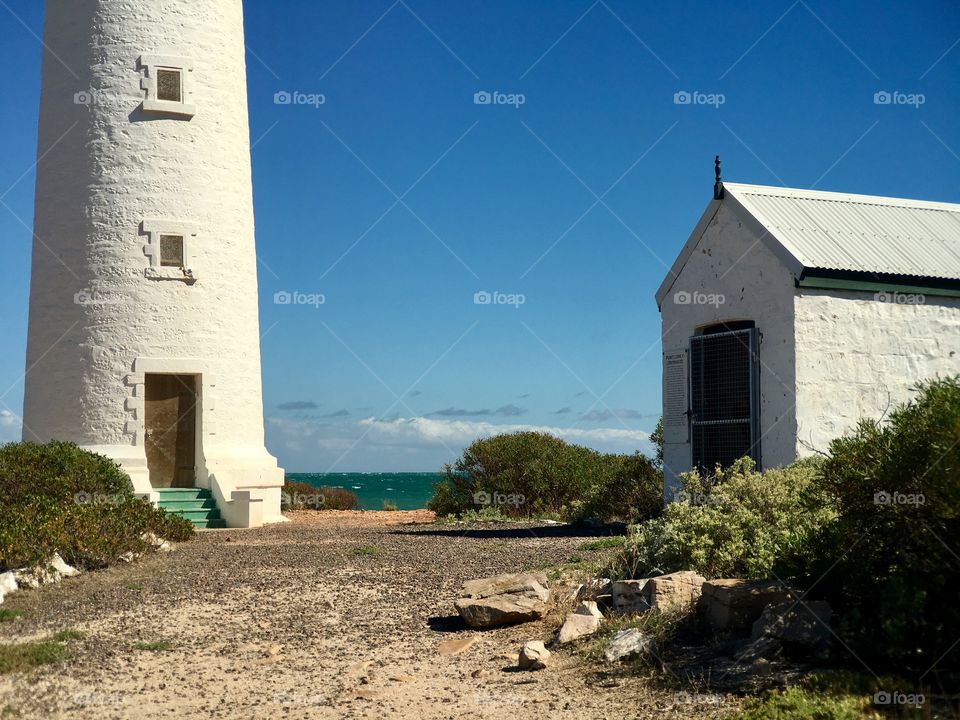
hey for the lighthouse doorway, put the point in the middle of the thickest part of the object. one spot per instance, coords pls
(170, 419)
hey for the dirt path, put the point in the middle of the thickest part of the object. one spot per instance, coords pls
(328, 616)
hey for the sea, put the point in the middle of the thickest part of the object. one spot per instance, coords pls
(406, 490)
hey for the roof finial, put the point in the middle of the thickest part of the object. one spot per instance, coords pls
(717, 183)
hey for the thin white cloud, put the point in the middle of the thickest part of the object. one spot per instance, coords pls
(412, 443)
(426, 429)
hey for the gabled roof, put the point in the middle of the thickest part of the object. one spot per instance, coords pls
(812, 230)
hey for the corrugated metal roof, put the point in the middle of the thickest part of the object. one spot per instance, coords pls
(837, 231)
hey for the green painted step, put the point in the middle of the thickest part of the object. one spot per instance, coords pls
(194, 504)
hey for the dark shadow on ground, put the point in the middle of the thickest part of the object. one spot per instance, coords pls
(516, 531)
(447, 624)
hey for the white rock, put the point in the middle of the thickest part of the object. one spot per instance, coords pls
(533, 656)
(35, 577)
(60, 565)
(628, 643)
(588, 607)
(165, 546)
(630, 595)
(8, 584)
(578, 626)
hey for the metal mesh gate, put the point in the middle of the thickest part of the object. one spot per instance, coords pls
(724, 397)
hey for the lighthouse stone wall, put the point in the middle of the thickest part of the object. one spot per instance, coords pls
(111, 176)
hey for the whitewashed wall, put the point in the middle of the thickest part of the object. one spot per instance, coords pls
(104, 168)
(858, 357)
(730, 260)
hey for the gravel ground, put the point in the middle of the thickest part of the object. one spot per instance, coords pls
(333, 615)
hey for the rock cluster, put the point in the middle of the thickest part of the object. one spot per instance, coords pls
(56, 568)
(770, 610)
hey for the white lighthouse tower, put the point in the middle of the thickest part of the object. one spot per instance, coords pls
(143, 338)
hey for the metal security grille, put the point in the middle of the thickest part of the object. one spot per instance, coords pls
(724, 397)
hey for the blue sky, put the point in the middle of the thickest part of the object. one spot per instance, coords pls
(399, 198)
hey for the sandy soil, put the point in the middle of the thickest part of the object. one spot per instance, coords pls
(333, 615)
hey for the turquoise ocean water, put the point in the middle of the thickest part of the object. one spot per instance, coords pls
(408, 491)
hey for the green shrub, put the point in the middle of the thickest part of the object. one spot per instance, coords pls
(58, 471)
(303, 496)
(797, 703)
(739, 523)
(530, 474)
(59, 498)
(890, 559)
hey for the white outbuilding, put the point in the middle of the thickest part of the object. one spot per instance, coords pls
(143, 340)
(791, 314)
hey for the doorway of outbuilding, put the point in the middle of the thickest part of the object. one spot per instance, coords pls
(725, 395)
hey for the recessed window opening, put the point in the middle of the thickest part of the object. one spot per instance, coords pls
(169, 85)
(171, 251)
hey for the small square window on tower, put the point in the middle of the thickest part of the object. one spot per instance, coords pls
(170, 250)
(169, 86)
(166, 84)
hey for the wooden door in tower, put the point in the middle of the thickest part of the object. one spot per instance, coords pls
(170, 418)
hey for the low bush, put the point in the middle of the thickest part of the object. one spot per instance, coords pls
(57, 497)
(890, 558)
(24, 656)
(738, 523)
(531, 474)
(303, 496)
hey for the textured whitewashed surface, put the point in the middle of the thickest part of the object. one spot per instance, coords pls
(858, 357)
(106, 166)
(731, 261)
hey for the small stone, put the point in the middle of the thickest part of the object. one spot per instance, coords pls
(761, 649)
(455, 646)
(677, 590)
(58, 564)
(735, 604)
(532, 585)
(480, 673)
(629, 643)
(503, 599)
(533, 656)
(802, 623)
(499, 610)
(630, 595)
(578, 626)
(588, 607)
(8, 584)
